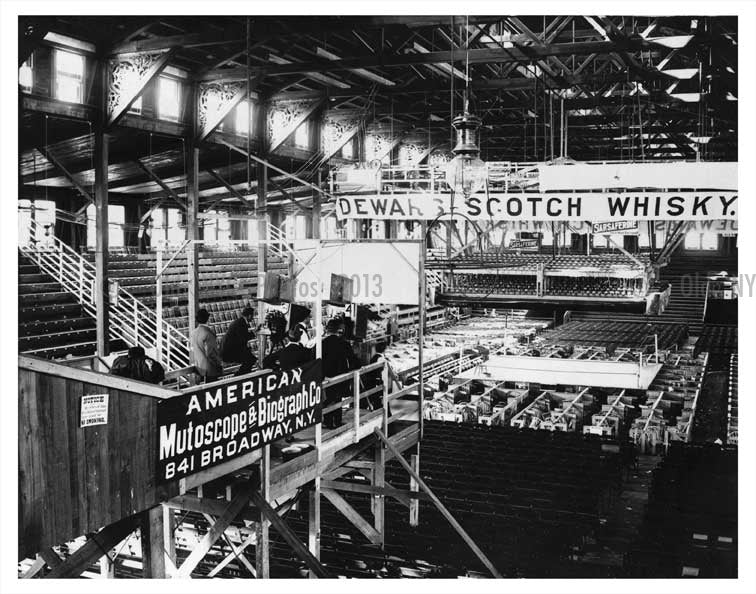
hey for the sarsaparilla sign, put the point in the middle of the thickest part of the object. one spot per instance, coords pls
(555, 206)
(207, 427)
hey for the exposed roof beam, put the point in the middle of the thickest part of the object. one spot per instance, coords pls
(475, 56)
(358, 71)
(230, 188)
(274, 168)
(166, 188)
(328, 80)
(179, 41)
(83, 191)
(286, 195)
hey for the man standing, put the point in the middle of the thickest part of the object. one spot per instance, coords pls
(235, 347)
(205, 355)
(338, 358)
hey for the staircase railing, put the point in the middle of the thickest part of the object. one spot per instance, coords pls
(434, 279)
(130, 319)
(278, 241)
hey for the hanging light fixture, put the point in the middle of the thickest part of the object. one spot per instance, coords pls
(466, 173)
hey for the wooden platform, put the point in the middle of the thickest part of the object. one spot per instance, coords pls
(75, 480)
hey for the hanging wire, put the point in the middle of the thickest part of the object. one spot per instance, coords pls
(249, 118)
(46, 148)
(640, 122)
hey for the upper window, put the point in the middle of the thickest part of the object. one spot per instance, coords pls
(347, 151)
(243, 118)
(168, 98)
(302, 136)
(69, 76)
(136, 106)
(26, 76)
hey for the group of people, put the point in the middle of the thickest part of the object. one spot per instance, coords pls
(208, 357)
(338, 357)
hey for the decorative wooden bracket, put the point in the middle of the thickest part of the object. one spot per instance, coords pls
(128, 75)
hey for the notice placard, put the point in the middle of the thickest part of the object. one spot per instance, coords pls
(609, 227)
(523, 244)
(94, 410)
(210, 426)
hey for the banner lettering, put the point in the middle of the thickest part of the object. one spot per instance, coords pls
(207, 427)
(681, 206)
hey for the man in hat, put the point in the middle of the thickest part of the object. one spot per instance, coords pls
(338, 358)
(235, 348)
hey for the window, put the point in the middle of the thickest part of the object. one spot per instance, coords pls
(69, 76)
(347, 151)
(136, 106)
(44, 215)
(116, 220)
(168, 98)
(302, 136)
(300, 227)
(243, 118)
(695, 240)
(26, 76)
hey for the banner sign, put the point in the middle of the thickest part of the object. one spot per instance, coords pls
(207, 427)
(523, 244)
(392, 277)
(682, 206)
(615, 227)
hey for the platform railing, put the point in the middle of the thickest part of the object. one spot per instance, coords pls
(130, 319)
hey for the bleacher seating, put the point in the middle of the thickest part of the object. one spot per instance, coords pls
(592, 287)
(688, 292)
(690, 528)
(637, 336)
(596, 262)
(494, 284)
(51, 323)
(227, 279)
(732, 402)
(529, 499)
(718, 339)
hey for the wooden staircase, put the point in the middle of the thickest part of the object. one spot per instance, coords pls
(51, 323)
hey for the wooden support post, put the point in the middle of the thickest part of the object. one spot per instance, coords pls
(353, 516)
(262, 235)
(316, 210)
(356, 401)
(92, 550)
(153, 559)
(421, 325)
(262, 548)
(102, 296)
(266, 511)
(313, 535)
(107, 567)
(169, 534)
(192, 232)
(441, 507)
(216, 530)
(379, 501)
(414, 511)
